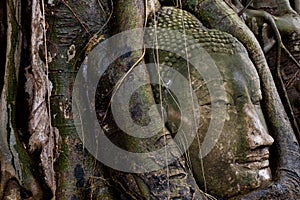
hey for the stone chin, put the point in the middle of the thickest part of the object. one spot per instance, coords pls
(237, 179)
(247, 179)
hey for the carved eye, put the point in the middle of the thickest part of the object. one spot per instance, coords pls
(257, 103)
(228, 105)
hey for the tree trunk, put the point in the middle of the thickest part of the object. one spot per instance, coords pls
(43, 46)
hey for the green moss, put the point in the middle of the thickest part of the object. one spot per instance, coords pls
(27, 166)
(63, 162)
(144, 189)
(14, 43)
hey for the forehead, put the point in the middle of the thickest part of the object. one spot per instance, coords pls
(238, 72)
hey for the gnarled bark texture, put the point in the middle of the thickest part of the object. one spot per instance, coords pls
(43, 44)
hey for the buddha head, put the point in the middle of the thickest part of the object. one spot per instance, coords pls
(239, 161)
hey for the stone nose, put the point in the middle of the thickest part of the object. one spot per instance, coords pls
(258, 135)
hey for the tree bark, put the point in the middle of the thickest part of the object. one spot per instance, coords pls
(43, 46)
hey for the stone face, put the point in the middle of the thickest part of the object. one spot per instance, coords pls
(240, 156)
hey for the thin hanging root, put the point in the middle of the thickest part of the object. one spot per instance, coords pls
(77, 18)
(270, 19)
(157, 63)
(109, 17)
(100, 5)
(288, 84)
(96, 38)
(118, 84)
(291, 56)
(245, 8)
(292, 80)
(136, 63)
(193, 103)
(51, 129)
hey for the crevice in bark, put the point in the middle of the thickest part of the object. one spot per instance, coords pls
(22, 103)
(3, 28)
(40, 176)
(21, 99)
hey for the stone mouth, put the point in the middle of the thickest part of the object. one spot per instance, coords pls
(256, 165)
(255, 160)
